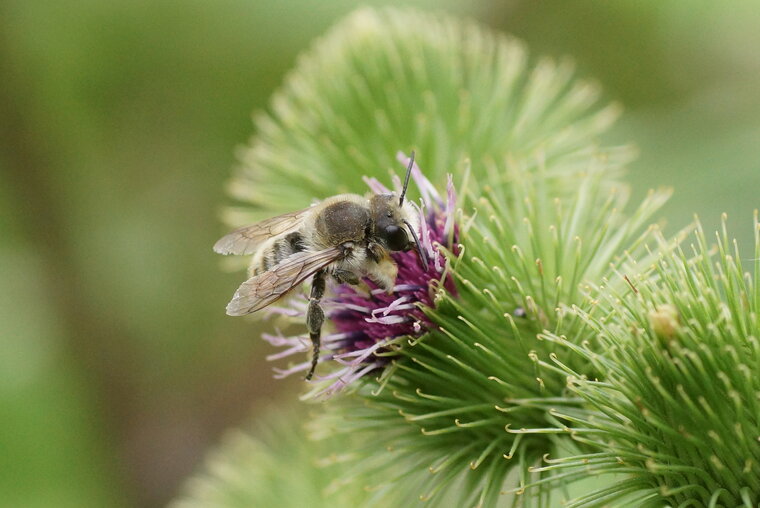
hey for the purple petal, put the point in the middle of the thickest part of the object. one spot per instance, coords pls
(393, 305)
(388, 320)
(348, 376)
(277, 340)
(427, 190)
(397, 185)
(284, 311)
(451, 198)
(397, 289)
(283, 373)
(360, 356)
(437, 262)
(299, 348)
(375, 186)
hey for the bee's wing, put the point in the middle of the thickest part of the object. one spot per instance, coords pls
(247, 239)
(266, 287)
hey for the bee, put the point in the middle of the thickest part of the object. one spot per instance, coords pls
(344, 238)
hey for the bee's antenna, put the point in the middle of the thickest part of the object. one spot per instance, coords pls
(406, 180)
(423, 255)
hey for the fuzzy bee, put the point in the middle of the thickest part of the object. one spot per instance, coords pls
(345, 237)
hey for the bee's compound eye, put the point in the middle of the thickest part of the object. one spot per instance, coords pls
(396, 238)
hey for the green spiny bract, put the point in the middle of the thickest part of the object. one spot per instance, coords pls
(678, 405)
(470, 402)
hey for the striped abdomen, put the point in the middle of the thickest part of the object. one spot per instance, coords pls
(275, 250)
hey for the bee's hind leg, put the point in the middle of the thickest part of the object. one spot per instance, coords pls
(315, 316)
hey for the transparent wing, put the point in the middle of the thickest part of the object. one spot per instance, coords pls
(265, 288)
(247, 239)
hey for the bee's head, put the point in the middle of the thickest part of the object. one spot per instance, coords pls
(393, 224)
(395, 221)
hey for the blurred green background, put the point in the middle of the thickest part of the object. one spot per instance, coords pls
(118, 367)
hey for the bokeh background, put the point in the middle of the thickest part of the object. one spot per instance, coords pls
(119, 123)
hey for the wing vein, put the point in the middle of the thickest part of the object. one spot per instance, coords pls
(267, 287)
(246, 240)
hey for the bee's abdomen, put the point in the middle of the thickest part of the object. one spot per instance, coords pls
(277, 250)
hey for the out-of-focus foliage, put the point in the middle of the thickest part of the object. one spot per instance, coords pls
(118, 123)
(451, 90)
(273, 463)
(44, 412)
(687, 75)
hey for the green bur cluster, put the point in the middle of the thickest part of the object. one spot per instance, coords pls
(469, 403)
(678, 407)
(512, 392)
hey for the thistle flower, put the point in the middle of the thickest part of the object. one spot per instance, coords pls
(676, 410)
(464, 402)
(368, 322)
(470, 401)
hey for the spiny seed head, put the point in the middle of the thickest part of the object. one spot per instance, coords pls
(684, 418)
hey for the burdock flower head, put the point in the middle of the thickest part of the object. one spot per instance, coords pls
(370, 323)
(469, 397)
(677, 411)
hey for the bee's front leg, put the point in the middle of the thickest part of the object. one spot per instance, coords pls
(384, 271)
(375, 252)
(315, 316)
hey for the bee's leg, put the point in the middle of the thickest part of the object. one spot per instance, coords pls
(375, 252)
(345, 277)
(315, 316)
(384, 272)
